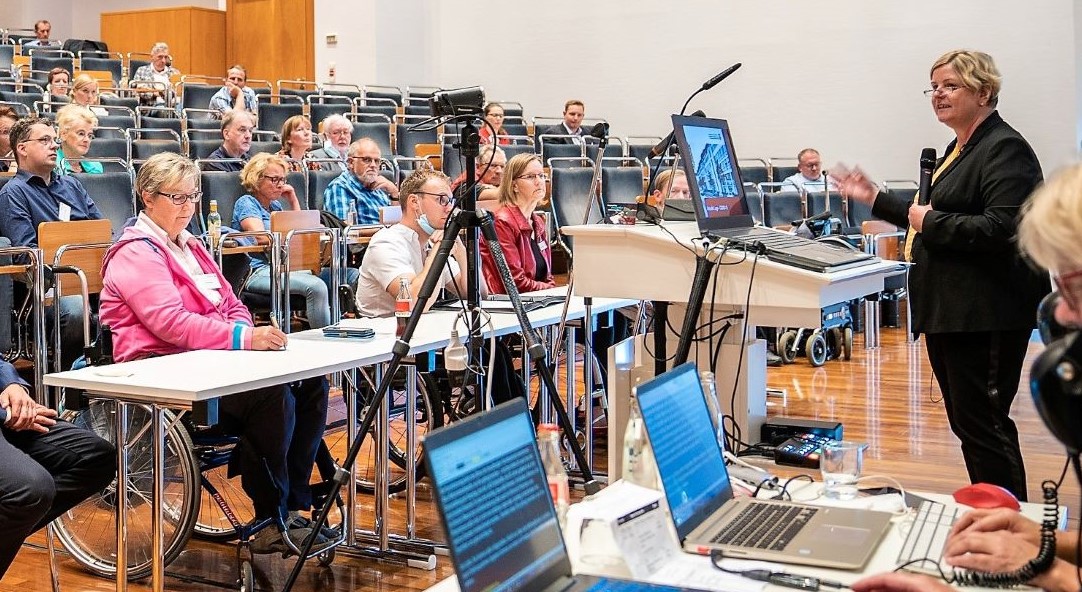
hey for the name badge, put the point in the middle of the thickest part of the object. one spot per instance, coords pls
(542, 246)
(65, 212)
(208, 281)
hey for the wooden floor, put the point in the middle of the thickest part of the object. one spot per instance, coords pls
(885, 397)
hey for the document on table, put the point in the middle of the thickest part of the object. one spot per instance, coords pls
(691, 571)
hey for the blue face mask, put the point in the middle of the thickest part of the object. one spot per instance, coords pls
(425, 226)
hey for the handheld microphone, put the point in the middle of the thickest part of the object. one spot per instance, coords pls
(663, 145)
(927, 165)
(709, 84)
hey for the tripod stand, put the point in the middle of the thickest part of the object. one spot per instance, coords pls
(463, 217)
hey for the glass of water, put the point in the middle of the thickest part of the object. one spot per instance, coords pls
(841, 463)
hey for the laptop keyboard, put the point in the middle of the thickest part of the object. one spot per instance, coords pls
(799, 251)
(927, 537)
(765, 526)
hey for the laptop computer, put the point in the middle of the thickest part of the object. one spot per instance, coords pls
(496, 507)
(721, 205)
(700, 496)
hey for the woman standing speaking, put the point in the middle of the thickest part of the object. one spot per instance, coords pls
(972, 295)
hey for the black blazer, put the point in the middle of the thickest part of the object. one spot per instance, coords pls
(560, 130)
(968, 274)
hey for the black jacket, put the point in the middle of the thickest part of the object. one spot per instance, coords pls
(968, 274)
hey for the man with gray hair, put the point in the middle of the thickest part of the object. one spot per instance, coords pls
(337, 134)
(231, 156)
(155, 77)
(491, 161)
(361, 189)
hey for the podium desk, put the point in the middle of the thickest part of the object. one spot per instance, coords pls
(646, 262)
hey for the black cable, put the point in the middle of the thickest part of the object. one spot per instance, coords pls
(1063, 473)
(778, 578)
(784, 493)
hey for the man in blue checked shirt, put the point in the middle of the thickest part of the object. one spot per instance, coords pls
(360, 185)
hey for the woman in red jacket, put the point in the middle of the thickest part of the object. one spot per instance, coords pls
(520, 230)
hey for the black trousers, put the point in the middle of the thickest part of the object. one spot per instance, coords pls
(45, 475)
(978, 374)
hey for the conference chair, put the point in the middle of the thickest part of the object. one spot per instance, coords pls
(150, 118)
(406, 140)
(321, 107)
(554, 146)
(114, 194)
(374, 106)
(511, 108)
(782, 167)
(317, 184)
(754, 170)
(378, 130)
(110, 146)
(110, 62)
(781, 207)
(338, 89)
(194, 95)
(383, 93)
(273, 116)
(201, 142)
(225, 188)
(621, 181)
(146, 142)
(44, 60)
(614, 149)
(114, 100)
(7, 58)
(571, 196)
(114, 124)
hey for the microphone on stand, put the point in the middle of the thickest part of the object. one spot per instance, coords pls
(600, 131)
(709, 84)
(927, 165)
(663, 145)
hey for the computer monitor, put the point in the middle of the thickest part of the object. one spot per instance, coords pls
(708, 158)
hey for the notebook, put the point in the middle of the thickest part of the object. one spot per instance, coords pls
(700, 496)
(721, 206)
(496, 508)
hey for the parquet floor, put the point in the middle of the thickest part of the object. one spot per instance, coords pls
(884, 397)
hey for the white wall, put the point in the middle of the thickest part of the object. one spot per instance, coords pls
(844, 76)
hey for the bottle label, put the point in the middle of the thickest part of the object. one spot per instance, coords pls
(402, 307)
(559, 490)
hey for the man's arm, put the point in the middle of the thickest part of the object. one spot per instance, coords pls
(16, 221)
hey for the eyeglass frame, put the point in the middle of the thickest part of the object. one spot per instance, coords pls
(193, 197)
(444, 199)
(945, 90)
(44, 140)
(277, 181)
(533, 176)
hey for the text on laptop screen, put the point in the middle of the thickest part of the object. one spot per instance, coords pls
(497, 507)
(681, 435)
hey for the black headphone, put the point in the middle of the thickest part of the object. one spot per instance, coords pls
(1055, 381)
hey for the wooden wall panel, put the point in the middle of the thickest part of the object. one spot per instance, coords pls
(196, 36)
(273, 39)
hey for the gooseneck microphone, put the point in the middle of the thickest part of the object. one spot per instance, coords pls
(663, 145)
(709, 84)
(927, 165)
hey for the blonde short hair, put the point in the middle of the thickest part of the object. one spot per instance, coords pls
(162, 169)
(254, 169)
(512, 171)
(661, 181)
(81, 81)
(418, 178)
(1051, 225)
(71, 115)
(976, 69)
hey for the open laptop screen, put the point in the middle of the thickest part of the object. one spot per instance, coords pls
(688, 457)
(709, 160)
(495, 502)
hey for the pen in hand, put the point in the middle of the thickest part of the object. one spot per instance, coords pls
(274, 323)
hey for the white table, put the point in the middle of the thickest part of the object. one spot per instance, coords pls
(181, 380)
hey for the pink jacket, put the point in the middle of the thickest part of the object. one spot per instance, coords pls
(153, 306)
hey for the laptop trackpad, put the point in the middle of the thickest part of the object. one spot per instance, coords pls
(847, 536)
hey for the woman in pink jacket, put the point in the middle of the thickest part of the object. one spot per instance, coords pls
(163, 294)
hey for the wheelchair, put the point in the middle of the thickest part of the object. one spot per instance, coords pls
(198, 496)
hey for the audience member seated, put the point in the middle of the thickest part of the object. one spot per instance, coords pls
(809, 175)
(156, 78)
(338, 132)
(42, 30)
(8, 117)
(59, 85)
(76, 125)
(361, 186)
(680, 189)
(521, 231)
(164, 294)
(38, 194)
(265, 178)
(494, 118)
(235, 95)
(84, 91)
(407, 249)
(296, 142)
(574, 111)
(237, 128)
(50, 466)
(490, 164)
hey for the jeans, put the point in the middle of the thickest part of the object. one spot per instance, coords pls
(314, 289)
(71, 329)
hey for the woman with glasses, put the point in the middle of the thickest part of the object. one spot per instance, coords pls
(163, 294)
(76, 126)
(493, 122)
(972, 295)
(265, 178)
(8, 117)
(521, 231)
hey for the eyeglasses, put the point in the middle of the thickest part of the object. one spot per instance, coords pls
(443, 198)
(82, 135)
(1072, 295)
(534, 177)
(492, 165)
(178, 199)
(946, 89)
(44, 140)
(365, 159)
(275, 180)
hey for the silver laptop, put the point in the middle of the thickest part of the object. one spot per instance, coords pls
(700, 496)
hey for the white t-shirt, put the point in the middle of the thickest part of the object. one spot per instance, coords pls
(393, 252)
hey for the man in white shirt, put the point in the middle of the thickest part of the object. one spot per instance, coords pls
(42, 29)
(574, 111)
(809, 176)
(408, 249)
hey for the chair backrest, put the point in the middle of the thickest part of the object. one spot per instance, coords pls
(754, 170)
(264, 147)
(53, 235)
(304, 248)
(406, 140)
(320, 111)
(114, 194)
(225, 188)
(818, 203)
(195, 96)
(755, 202)
(144, 148)
(111, 100)
(613, 150)
(113, 66)
(45, 60)
(384, 93)
(7, 57)
(782, 167)
(121, 122)
(199, 149)
(571, 197)
(273, 117)
(317, 184)
(621, 185)
(161, 123)
(550, 149)
(782, 208)
(378, 131)
(110, 147)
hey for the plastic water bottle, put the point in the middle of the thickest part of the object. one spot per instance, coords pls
(548, 441)
(403, 305)
(214, 225)
(17, 76)
(639, 466)
(710, 393)
(351, 217)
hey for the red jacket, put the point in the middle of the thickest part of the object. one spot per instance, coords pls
(514, 232)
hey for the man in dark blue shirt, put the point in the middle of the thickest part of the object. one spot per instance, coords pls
(237, 128)
(50, 466)
(35, 195)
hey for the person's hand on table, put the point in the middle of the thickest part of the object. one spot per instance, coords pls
(996, 520)
(268, 338)
(900, 581)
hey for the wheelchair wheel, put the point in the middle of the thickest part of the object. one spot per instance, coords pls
(429, 416)
(817, 348)
(213, 525)
(88, 531)
(847, 343)
(786, 348)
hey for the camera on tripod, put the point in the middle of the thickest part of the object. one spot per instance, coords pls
(458, 101)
